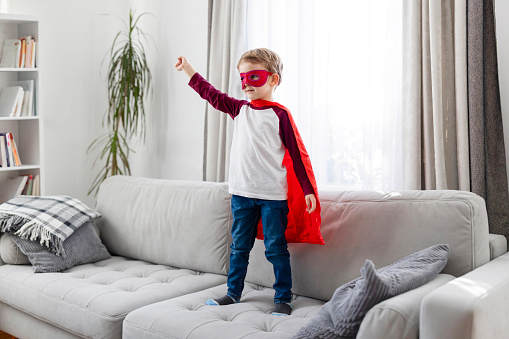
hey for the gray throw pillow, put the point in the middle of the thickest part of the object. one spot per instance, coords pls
(81, 247)
(341, 317)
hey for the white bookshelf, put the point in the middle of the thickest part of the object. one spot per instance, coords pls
(27, 131)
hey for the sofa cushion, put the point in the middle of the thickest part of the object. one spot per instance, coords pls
(83, 246)
(93, 299)
(342, 315)
(381, 226)
(177, 223)
(188, 317)
(10, 252)
(398, 317)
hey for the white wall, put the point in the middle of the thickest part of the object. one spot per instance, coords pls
(75, 37)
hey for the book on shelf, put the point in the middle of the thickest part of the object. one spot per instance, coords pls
(30, 185)
(33, 186)
(19, 53)
(22, 185)
(17, 100)
(33, 54)
(10, 53)
(22, 53)
(3, 152)
(13, 187)
(19, 103)
(37, 186)
(15, 152)
(8, 146)
(28, 104)
(11, 101)
(30, 60)
(9, 151)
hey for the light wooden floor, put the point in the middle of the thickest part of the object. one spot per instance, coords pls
(4, 335)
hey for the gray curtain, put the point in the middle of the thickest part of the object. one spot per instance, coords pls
(487, 150)
(435, 113)
(227, 42)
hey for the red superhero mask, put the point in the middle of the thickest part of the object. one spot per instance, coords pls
(256, 78)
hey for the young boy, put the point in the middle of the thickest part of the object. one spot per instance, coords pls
(268, 163)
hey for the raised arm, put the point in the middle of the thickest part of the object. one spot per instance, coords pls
(183, 65)
(219, 100)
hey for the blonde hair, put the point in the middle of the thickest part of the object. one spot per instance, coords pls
(267, 58)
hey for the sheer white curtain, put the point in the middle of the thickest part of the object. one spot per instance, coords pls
(227, 42)
(342, 81)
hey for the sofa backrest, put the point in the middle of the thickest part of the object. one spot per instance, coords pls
(382, 227)
(177, 223)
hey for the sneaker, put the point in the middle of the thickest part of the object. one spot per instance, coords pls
(282, 309)
(226, 300)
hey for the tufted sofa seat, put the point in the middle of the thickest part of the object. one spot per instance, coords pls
(92, 300)
(189, 317)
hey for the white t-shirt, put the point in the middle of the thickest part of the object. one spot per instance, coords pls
(261, 138)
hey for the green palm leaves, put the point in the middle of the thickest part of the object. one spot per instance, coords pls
(128, 82)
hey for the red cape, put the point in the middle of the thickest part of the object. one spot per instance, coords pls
(303, 227)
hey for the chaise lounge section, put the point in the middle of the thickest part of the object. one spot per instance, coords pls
(167, 239)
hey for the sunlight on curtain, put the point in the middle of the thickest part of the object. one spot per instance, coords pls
(342, 82)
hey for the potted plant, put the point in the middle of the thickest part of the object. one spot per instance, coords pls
(128, 81)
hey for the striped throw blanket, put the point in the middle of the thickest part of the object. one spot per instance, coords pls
(49, 219)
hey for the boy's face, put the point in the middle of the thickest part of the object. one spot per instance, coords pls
(254, 87)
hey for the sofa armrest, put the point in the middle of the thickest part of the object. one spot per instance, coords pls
(473, 306)
(498, 245)
(398, 317)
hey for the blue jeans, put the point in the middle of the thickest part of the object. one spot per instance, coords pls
(246, 215)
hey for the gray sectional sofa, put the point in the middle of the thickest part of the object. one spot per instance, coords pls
(169, 242)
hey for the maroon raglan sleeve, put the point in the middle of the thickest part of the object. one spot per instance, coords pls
(287, 135)
(219, 100)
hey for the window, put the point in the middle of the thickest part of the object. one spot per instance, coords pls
(342, 82)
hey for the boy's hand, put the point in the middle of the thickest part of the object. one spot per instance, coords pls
(183, 65)
(181, 62)
(310, 203)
